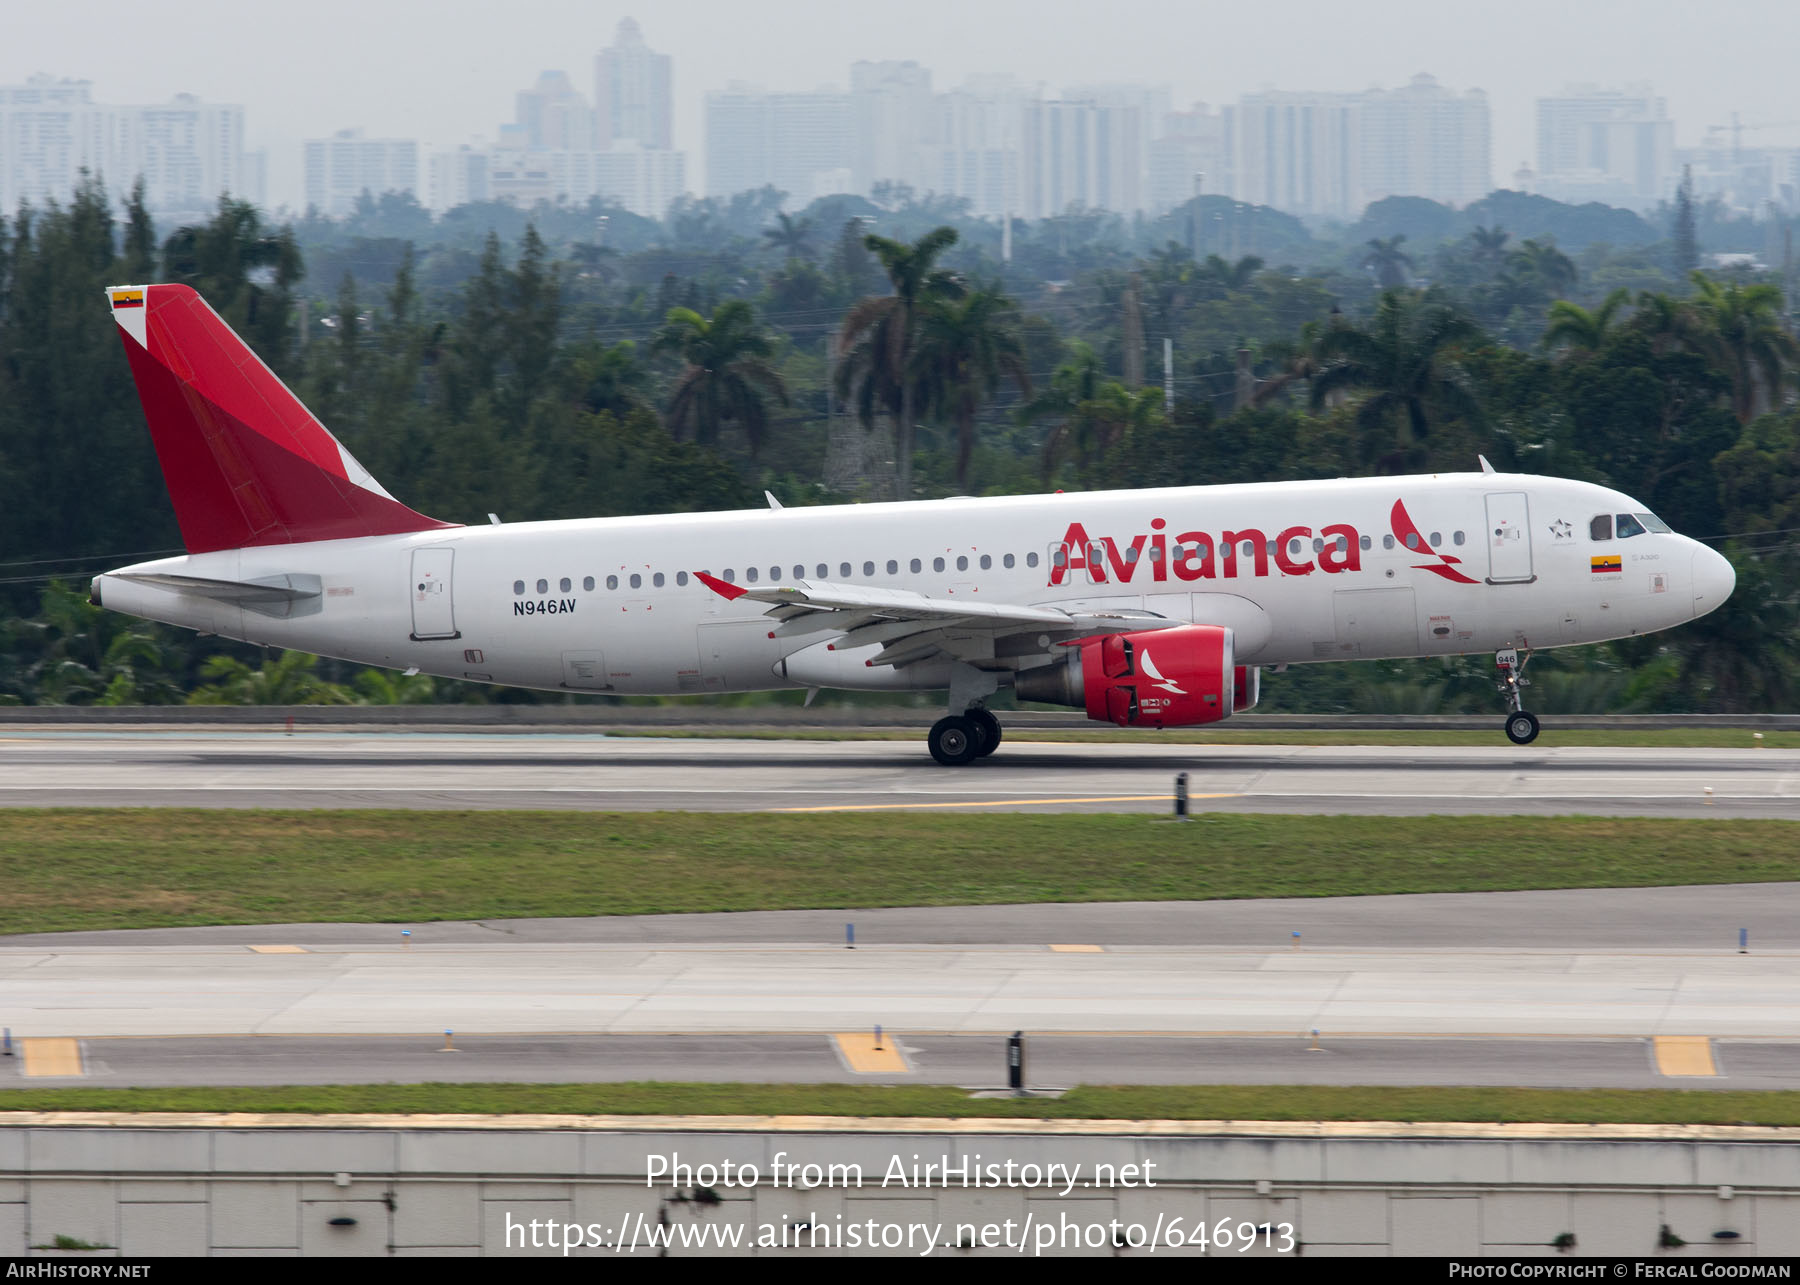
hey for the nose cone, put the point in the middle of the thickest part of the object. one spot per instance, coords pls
(1714, 579)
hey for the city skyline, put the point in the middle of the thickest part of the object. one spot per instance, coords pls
(438, 74)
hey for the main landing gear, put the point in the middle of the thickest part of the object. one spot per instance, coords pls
(963, 738)
(1521, 724)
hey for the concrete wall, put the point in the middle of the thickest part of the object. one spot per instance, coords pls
(253, 1186)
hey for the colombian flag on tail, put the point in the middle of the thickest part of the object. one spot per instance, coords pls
(127, 299)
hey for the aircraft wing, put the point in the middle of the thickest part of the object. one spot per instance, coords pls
(913, 627)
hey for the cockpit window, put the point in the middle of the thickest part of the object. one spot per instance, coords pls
(1601, 527)
(1629, 526)
(1655, 523)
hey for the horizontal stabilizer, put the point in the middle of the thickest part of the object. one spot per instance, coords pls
(281, 596)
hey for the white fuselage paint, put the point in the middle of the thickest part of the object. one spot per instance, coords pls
(682, 638)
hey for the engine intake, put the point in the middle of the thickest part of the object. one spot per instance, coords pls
(1175, 677)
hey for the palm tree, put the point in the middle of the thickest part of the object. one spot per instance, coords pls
(286, 679)
(965, 347)
(1489, 244)
(1388, 261)
(1099, 423)
(792, 235)
(1541, 264)
(728, 376)
(1074, 382)
(1575, 327)
(1232, 276)
(1406, 361)
(1298, 361)
(880, 333)
(610, 378)
(1744, 340)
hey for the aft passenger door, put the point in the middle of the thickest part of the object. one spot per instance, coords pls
(433, 610)
(1509, 538)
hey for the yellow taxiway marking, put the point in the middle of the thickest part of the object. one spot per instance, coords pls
(1685, 1055)
(999, 803)
(279, 950)
(1078, 950)
(52, 1056)
(861, 1055)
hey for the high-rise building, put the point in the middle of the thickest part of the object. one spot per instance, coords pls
(188, 152)
(803, 144)
(1190, 158)
(341, 168)
(977, 147)
(458, 177)
(1425, 140)
(1299, 152)
(643, 180)
(1081, 154)
(893, 120)
(633, 92)
(552, 113)
(1607, 145)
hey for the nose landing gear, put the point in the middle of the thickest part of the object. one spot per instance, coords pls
(1521, 724)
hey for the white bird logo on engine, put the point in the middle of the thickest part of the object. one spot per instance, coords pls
(1149, 667)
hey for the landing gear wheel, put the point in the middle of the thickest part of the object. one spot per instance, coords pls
(989, 729)
(1521, 727)
(954, 741)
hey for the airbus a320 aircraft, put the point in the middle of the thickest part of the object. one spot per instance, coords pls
(1153, 608)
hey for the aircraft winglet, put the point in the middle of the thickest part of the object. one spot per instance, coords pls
(720, 587)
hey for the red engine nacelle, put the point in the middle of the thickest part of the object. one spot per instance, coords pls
(1246, 688)
(1155, 678)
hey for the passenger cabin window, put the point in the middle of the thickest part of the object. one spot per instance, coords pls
(1412, 539)
(587, 583)
(612, 582)
(637, 581)
(893, 567)
(824, 572)
(799, 572)
(1007, 562)
(1437, 538)
(1457, 538)
(962, 563)
(1387, 541)
(1031, 559)
(843, 571)
(1368, 544)
(518, 586)
(564, 582)
(937, 564)
(1601, 527)
(916, 565)
(657, 579)
(987, 562)
(1628, 526)
(543, 586)
(681, 577)
(868, 568)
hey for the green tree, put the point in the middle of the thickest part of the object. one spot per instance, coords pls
(880, 334)
(728, 377)
(1391, 265)
(966, 347)
(1742, 336)
(289, 678)
(792, 236)
(1684, 235)
(1572, 326)
(1405, 360)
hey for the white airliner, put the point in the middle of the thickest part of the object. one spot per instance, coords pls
(1153, 608)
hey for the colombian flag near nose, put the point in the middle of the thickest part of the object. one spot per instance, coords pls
(1607, 562)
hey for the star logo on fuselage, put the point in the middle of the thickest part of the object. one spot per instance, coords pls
(1560, 531)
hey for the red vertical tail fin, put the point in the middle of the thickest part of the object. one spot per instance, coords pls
(246, 464)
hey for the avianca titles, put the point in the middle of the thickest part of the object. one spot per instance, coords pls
(1145, 608)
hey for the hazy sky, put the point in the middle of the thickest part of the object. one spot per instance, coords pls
(445, 71)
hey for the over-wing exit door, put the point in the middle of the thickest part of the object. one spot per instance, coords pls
(433, 612)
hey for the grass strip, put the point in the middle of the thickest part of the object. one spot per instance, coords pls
(67, 869)
(1088, 1102)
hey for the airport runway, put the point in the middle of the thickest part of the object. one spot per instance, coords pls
(593, 772)
(1623, 988)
